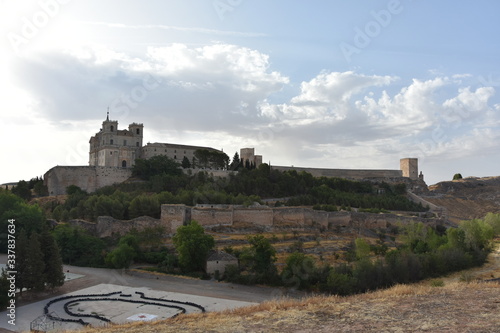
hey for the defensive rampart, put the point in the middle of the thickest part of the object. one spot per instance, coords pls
(88, 178)
(271, 218)
(106, 226)
(345, 173)
(262, 217)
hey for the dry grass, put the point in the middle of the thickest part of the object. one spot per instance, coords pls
(455, 307)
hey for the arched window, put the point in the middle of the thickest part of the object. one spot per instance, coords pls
(138, 131)
(111, 141)
(112, 128)
(124, 164)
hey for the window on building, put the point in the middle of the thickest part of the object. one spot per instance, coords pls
(138, 131)
(124, 142)
(112, 128)
(137, 144)
(175, 157)
(111, 141)
(124, 164)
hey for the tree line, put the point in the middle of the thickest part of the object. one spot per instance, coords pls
(426, 252)
(38, 263)
(163, 182)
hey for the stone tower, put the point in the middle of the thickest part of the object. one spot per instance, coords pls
(409, 167)
(248, 154)
(111, 147)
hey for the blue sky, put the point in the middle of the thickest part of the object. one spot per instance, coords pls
(340, 84)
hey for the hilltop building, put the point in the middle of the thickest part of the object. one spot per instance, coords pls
(113, 152)
(111, 147)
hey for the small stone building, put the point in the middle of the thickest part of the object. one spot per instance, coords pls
(218, 261)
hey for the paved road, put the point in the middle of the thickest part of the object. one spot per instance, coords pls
(102, 277)
(94, 276)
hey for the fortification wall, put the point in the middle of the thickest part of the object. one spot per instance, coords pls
(260, 215)
(174, 216)
(212, 216)
(107, 226)
(279, 217)
(345, 173)
(88, 178)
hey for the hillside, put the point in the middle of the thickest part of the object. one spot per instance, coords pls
(456, 307)
(466, 198)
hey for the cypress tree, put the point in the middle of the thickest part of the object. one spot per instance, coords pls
(53, 272)
(34, 264)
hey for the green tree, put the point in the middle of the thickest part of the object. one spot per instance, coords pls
(260, 258)
(299, 271)
(457, 176)
(156, 165)
(144, 205)
(122, 256)
(41, 189)
(53, 273)
(185, 163)
(235, 163)
(35, 265)
(192, 246)
(78, 247)
(362, 248)
(22, 190)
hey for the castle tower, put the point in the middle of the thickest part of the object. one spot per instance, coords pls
(111, 147)
(248, 154)
(136, 130)
(409, 167)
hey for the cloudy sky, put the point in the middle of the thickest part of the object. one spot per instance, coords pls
(337, 84)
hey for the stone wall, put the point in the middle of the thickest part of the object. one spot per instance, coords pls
(88, 178)
(280, 217)
(269, 218)
(345, 173)
(107, 226)
(174, 216)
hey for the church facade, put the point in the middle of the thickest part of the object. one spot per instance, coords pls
(112, 147)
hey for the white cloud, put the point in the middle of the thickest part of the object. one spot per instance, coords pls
(220, 95)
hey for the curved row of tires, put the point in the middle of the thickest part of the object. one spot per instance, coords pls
(105, 297)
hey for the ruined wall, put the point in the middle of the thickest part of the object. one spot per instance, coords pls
(107, 226)
(88, 178)
(279, 217)
(174, 216)
(212, 216)
(260, 215)
(345, 173)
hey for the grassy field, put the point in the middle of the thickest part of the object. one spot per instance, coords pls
(455, 307)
